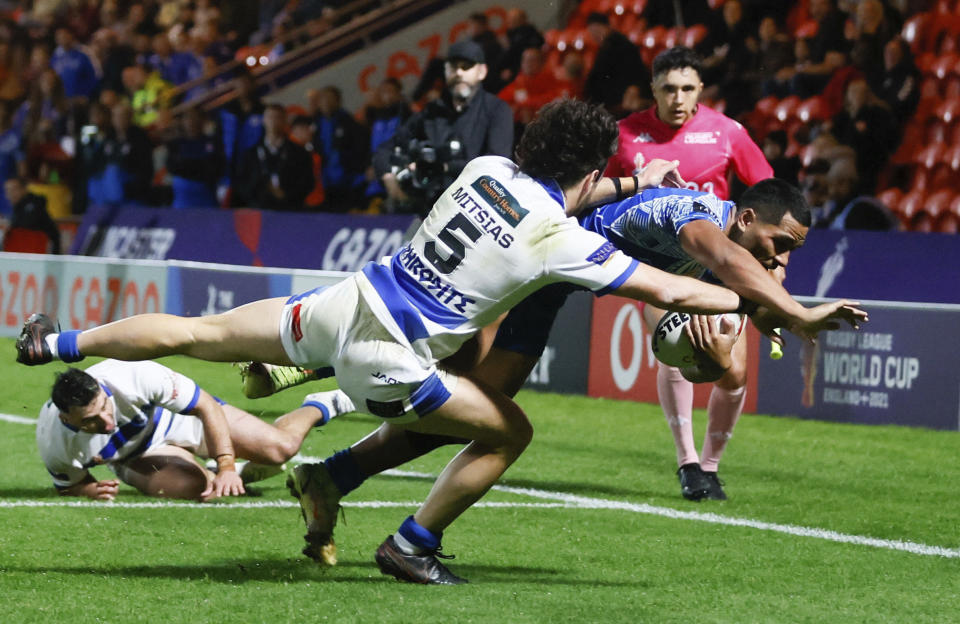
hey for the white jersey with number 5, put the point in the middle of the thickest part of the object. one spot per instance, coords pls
(494, 236)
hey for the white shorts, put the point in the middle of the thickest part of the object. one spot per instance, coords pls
(334, 326)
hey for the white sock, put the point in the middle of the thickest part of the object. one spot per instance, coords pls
(51, 340)
(405, 545)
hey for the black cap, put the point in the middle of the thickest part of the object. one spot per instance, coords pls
(466, 50)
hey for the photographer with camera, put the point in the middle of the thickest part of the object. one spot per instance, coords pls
(428, 151)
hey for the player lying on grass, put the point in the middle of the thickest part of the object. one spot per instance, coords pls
(147, 423)
(499, 233)
(678, 230)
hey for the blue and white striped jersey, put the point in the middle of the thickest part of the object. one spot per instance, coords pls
(494, 236)
(146, 398)
(647, 226)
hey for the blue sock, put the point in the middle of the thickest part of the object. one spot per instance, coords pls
(418, 535)
(344, 471)
(67, 349)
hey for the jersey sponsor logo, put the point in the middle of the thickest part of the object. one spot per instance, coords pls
(602, 254)
(643, 137)
(295, 324)
(500, 199)
(484, 218)
(700, 138)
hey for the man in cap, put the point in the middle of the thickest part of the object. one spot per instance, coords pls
(428, 152)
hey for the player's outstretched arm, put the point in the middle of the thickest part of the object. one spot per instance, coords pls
(216, 431)
(740, 271)
(826, 316)
(675, 292)
(105, 490)
(658, 172)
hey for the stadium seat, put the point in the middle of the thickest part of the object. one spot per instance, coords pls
(806, 30)
(910, 204)
(952, 88)
(787, 108)
(947, 223)
(944, 66)
(891, 198)
(938, 203)
(914, 32)
(811, 109)
(694, 34)
(947, 111)
(951, 157)
(920, 180)
(930, 155)
(22, 240)
(937, 132)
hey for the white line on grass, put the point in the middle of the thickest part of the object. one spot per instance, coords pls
(561, 499)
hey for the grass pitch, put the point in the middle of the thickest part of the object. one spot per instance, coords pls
(825, 523)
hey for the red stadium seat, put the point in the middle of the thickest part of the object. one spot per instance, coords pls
(914, 32)
(938, 203)
(910, 204)
(22, 240)
(948, 111)
(951, 157)
(947, 223)
(952, 89)
(787, 108)
(929, 156)
(891, 198)
(806, 30)
(920, 180)
(811, 109)
(694, 34)
(944, 66)
(937, 132)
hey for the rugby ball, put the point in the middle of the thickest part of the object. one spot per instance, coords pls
(670, 343)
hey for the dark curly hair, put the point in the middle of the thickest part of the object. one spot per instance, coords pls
(74, 388)
(772, 198)
(677, 57)
(567, 140)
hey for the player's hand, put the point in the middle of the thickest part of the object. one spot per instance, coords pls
(225, 483)
(660, 172)
(713, 338)
(829, 316)
(104, 490)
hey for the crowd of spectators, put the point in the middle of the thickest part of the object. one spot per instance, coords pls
(86, 88)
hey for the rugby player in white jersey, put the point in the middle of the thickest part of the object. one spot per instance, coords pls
(500, 231)
(147, 423)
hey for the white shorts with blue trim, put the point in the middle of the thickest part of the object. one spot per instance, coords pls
(385, 377)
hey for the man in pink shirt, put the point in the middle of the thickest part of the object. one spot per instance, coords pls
(709, 146)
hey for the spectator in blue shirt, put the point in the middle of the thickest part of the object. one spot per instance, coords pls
(73, 66)
(174, 67)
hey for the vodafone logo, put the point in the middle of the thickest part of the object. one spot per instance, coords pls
(628, 338)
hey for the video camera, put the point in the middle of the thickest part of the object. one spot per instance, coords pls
(434, 168)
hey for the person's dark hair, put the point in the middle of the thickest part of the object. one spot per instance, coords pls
(567, 140)
(74, 388)
(677, 57)
(479, 18)
(772, 198)
(818, 166)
